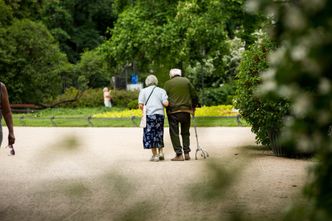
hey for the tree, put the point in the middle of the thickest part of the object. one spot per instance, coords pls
(93, 70)
(6, 14)
(30, 9)
(79, 25)
(159, 35)
(30, 62)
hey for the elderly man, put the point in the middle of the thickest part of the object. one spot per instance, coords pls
(182, 99)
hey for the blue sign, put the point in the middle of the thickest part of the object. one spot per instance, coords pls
(134, 78)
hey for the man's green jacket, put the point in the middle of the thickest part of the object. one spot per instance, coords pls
(181, 94)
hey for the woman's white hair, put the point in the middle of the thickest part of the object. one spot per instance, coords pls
(151, 80)
(174, 72)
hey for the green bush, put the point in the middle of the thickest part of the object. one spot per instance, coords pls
(123, 98)
(217, 96)
(87, 98)
(94, 98)
(264, 113)
(302, 72)
(132, 104)
(31, 63)
(94, 68)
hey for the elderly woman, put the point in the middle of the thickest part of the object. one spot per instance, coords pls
(154, 99)
(7, 114)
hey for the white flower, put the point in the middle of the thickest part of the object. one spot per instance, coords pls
(285, 91)
(302, 105)
(268, 75)
(266, 87)
(275, 57)
(294, 19)
(313, 5)
(299, 52)
(324, 86)
(252, 6)
(304, 143)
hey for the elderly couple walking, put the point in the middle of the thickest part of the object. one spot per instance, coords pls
(180, 99)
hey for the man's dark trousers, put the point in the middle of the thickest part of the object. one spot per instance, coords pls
(174, 119)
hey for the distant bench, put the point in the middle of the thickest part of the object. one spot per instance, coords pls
(24, 108)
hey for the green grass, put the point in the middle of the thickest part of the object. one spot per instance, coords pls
(66, 117)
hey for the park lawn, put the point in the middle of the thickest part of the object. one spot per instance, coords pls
(83, 117)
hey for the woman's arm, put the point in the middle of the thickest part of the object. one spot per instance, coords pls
(7, 114)
(166, 103)
(164, 98)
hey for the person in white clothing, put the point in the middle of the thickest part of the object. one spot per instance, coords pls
(107, 97)
(154, 99)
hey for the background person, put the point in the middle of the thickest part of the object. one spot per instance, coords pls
(182, 102)
(7, 114)
(155, 99)
(107, 97)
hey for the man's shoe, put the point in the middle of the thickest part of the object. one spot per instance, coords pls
(178, 158)
(186, 156)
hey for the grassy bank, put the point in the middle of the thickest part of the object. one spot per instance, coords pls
(88, 117)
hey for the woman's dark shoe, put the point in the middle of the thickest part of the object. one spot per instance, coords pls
(186, 156)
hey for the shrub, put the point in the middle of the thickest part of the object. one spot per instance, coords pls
(31, 62)
(302, 71)
(123, 98)
(265, 114)
(132, 104)
(216, 96)
(87, 98)
(94, 98)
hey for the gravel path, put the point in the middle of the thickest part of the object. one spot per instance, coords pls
(104, 174)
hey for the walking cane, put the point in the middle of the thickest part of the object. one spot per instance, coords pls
(204, 153)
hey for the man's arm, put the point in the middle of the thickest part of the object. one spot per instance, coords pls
(7, 114)
(193, 95)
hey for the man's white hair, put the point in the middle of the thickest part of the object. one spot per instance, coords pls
(151, 80)
(175, 72)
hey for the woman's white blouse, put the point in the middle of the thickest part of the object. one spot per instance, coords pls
(155, 103)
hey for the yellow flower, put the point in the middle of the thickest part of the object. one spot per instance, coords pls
(212, 111)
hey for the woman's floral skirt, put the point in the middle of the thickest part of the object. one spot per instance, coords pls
(154, 131)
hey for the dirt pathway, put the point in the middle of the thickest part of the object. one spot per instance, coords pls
(104, 174)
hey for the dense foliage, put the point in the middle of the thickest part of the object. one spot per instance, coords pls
(300, 70)
(191, 35)
(94, 98)
(104, 38)
(30, 61)
(264, 113)
(78, 25)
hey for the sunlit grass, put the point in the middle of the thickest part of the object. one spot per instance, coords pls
(214, 116)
